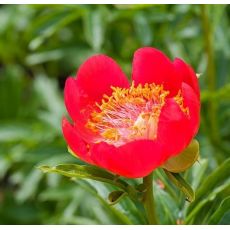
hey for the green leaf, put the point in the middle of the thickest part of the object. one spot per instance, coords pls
(184, 160)
(115, 196)
(45, 56)
(89, 172)
(143, 29)
(24, 131)
(65, 192)
(4, 165)
(222, 94)
(219, 213)
(94, 27)
(45, 27)
(200, 207)
(60, 54)
(11, 83)
(216, 183)
(29, 186)
(198, 172)
(215, 179)
(132, 6)
(167, 205)
(225, 219)
(47, 91)
(95, 191)
(182, 185)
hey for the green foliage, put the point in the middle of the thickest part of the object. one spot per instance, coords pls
(40, 45)
(89, 172)
(220, 212)
(215, 184)
(182, 185)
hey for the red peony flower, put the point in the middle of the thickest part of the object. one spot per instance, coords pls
(131, 129)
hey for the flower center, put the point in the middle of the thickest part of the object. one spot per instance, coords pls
(129, 114)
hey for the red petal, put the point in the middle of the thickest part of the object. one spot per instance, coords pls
(187, 74)
(192, 101)
(94, 79)
(152, 66)
(175, 128)
(74, 141)
(96, 76)
(133, 160)
(73, 101)
(72, 98)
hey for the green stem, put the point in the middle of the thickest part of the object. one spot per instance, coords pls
(148, 199)
(211, 71)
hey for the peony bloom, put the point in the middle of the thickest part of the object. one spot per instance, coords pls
(131, 128)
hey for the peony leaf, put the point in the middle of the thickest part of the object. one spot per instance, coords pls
(167, 204)
(179, 181)
(214, 184)
(184, 160)
(142, 26)
(90, 172)
(220, 212)
(115, 196)
(94, 27)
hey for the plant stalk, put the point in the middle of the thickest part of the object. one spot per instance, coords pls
(211, 71)
(148, 199)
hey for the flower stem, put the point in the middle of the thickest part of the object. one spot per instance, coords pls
(148, 199)
(211, 71)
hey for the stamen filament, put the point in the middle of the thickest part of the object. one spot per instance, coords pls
(129, 114)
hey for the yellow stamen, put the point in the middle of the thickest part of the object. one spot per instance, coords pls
(129, 114)
(180, 101)
(111, 134)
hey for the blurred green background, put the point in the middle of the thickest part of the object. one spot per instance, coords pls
(41, 45)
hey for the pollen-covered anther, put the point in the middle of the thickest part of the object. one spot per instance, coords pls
(180, 101)
(111, 134)
(128, 114)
